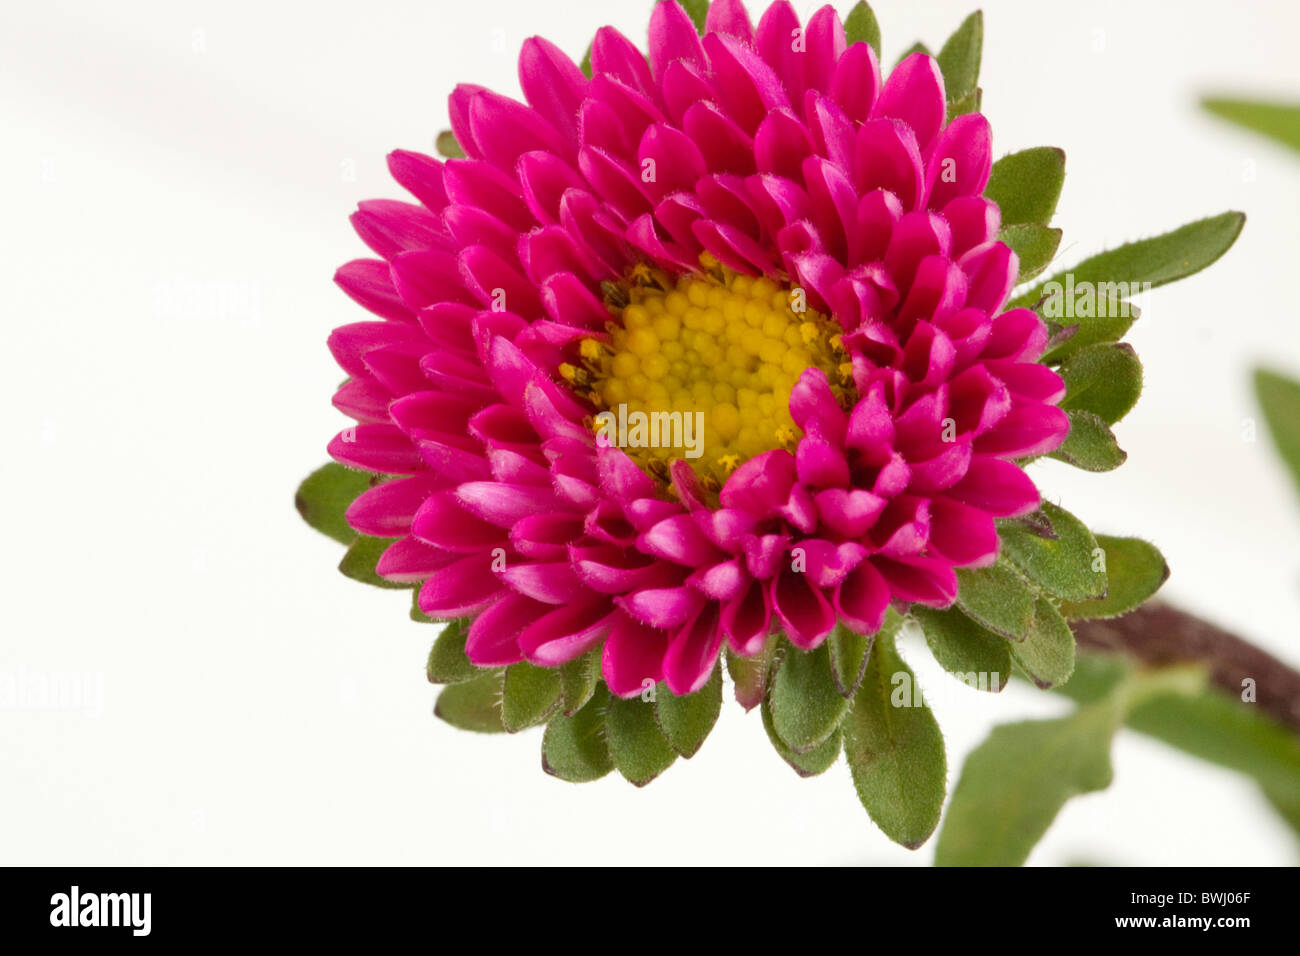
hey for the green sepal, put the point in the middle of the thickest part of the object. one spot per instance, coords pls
(810, 764)
(1158, 260)
(806, 707)
(324, 496)
(447, 146)
(640, 750)
(1062, 564)
(1135, 570)
(1105, 379)
(1090, 444)
(447, 662)
(750, 675)
(970, 103)
(530, 694)
(360, 559)
(973, 654)
(895, 753)
(1047, 652)
(585, 65)
(697, 10)
(1105, 322)
(578, 681)
(998, 598)
(686, 721)
(474, 705)
(917, 47)
(862, 26)
(849, 651)
(959, 58)
(1034, 245)
(1027, 185)
(574, 746)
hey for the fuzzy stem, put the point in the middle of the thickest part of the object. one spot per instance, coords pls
(1158, 634)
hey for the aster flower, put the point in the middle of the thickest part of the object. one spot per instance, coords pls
(781, 267)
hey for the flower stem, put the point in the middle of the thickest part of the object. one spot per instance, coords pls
(1157, 634)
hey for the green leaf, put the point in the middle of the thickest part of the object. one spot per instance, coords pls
(970, 103)
(447, 146)
(1034, 244)
(810, 764)
(1026, 185)
(806, 707)
(959, 58)
(1279, 396)
(1106, 320)
(474, 705)
(325, 495)
(585, 65)
(1135, 569)
(686, 721)
(574, 747)
(1105, 379)
(1014, 784)
(530, 695)
(849, 652)
(1090, 445)
(360, 559)
(750, 675)
(1061, 565)
(917, 47)
(418, 616)
(895, 753)
(1281, 121)
(861, 26)
(1159, 260)
(578, 680)
(974, 655)
(998, 598)
(1047, 652)
(640, 750)
(697, 10)
(447, 661)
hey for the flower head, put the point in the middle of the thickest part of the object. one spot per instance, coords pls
(776, 263)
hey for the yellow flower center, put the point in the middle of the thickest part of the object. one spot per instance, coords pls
(700, 367)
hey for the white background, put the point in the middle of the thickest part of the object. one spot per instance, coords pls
(177, 178)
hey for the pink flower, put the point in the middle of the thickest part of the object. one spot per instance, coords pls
(601, 246)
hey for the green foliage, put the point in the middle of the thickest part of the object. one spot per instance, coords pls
(473, 705)
(861, 26)
(959, 59)
(360, 559)
(1026, 185)
(750, 675)
(324, 497)
(1280, 121)
(686, 721)
(806, 707)
(1034, 245)
(965, 649)
(1105, 379)
(1062, 564)
(640, 750)
(1135, 569)
(1159, 260)
(578, 680)
(1279, 396)
(530, 695)
(895, 753)
(810, 764)
(574, 746)
(1111, 318)
(447, 146)
(1014, 784)
(1090, 445)
(447, 661)
(1047, 652)
(997, 597)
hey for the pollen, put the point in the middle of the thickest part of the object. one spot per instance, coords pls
(723, 348)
